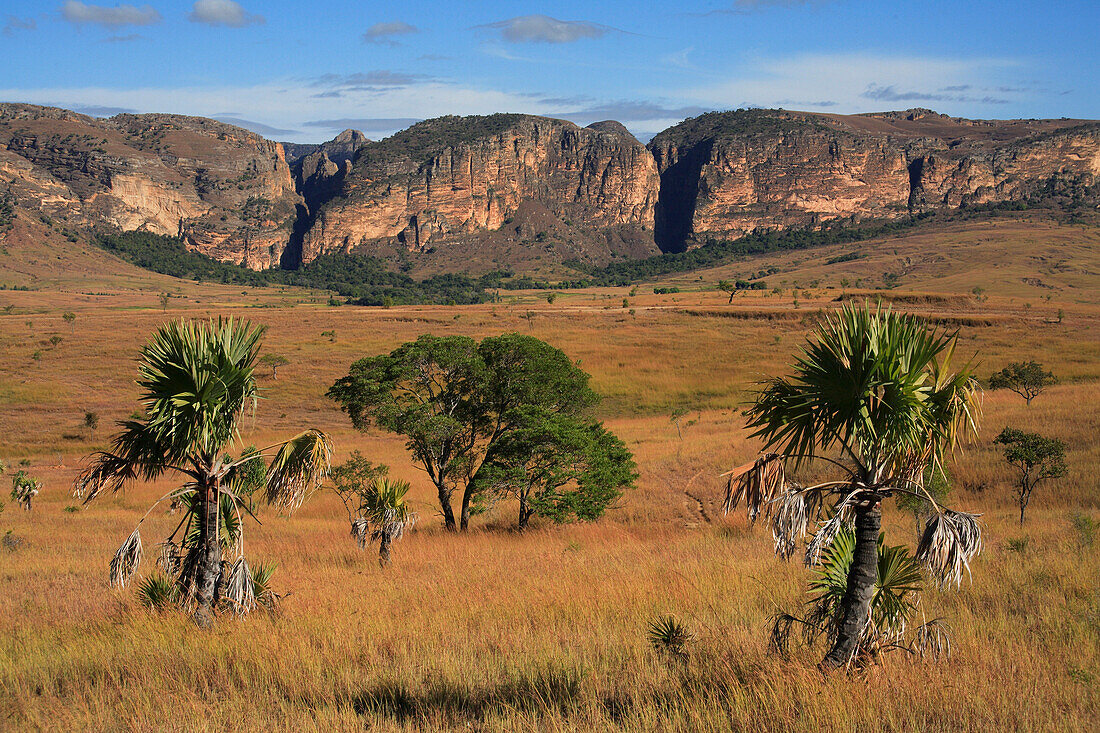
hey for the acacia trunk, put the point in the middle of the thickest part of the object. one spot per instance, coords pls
(384, 550)
(445, 507)
(855, 606)
(209, 566)
(467, 500)
(525, 512)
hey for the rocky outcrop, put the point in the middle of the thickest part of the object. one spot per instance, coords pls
(226, 191)
(725, 174)
(448, 178)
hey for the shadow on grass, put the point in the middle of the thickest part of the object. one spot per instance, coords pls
(544, 691)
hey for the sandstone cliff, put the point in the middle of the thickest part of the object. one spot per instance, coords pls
(226, 191)
(725, 174)
(446, 179)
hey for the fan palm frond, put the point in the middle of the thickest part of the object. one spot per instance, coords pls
(758, 483)
(298, 467)
(158, 592)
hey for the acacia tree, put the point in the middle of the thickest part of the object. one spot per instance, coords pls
(1027, 379)
(556, 466)
(197, 379)
(1035, 457)
(274, 361)
(873, 397)
(453, 398)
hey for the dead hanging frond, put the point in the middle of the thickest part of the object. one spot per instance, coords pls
(298, 468)
(126, 560)
(931, 639)
(169, 558)
(359, 528)
(950, 540)
(790, 516)
(240, 589)
(842, 519)
(394, 523)
(758, 483)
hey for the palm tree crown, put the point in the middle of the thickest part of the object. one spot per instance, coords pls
(874, 395)
(197, 381)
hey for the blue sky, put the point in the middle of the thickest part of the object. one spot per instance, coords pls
(303, 71)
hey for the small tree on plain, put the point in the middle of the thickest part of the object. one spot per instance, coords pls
(91, 419)
(274, 361)
(728, 286)
(164, 297)
(24, 488)
(1035, 457)
(1026, 379)
(70, 318)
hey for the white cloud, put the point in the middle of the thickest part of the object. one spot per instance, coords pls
(544, 29)
(223, 12)
(112, 17)
(384, 32)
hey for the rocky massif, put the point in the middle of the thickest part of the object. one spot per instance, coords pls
(724, 174)
(516, 191)
(453, 178)
(225, 191)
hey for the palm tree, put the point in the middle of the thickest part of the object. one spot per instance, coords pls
(872, 395)
(384, 513)
(197, 380)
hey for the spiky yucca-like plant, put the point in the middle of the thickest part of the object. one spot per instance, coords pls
(197, 380)
(873, 396)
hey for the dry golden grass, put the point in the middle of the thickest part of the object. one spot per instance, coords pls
(546, 631)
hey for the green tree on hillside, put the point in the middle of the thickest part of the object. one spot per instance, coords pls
(197, 380)
(454, 398)
(1036, 459)
(873, 396)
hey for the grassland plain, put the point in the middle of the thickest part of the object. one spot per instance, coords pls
(545, 630)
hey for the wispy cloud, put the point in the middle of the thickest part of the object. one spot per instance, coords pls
(110, 17)
(383, 33)
(257, 127)
(369, 81)
(744, 7)
(128, 38)
(544, 29)
(13, 23)
(223, 13)
(892, 94)
(624, 111)
(854, 80)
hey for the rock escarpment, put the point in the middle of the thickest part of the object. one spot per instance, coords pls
(446, 179)
(725, 174)
(226, 191)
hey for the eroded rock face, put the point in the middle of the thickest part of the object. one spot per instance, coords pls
(446, 178)
(725, 174)
(226, 191)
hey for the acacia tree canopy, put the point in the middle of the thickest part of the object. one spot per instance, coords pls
(557, 466)
(453, 398)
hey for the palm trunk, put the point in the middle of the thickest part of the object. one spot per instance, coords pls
(208, 570)
(384, 550)
(855, 606)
